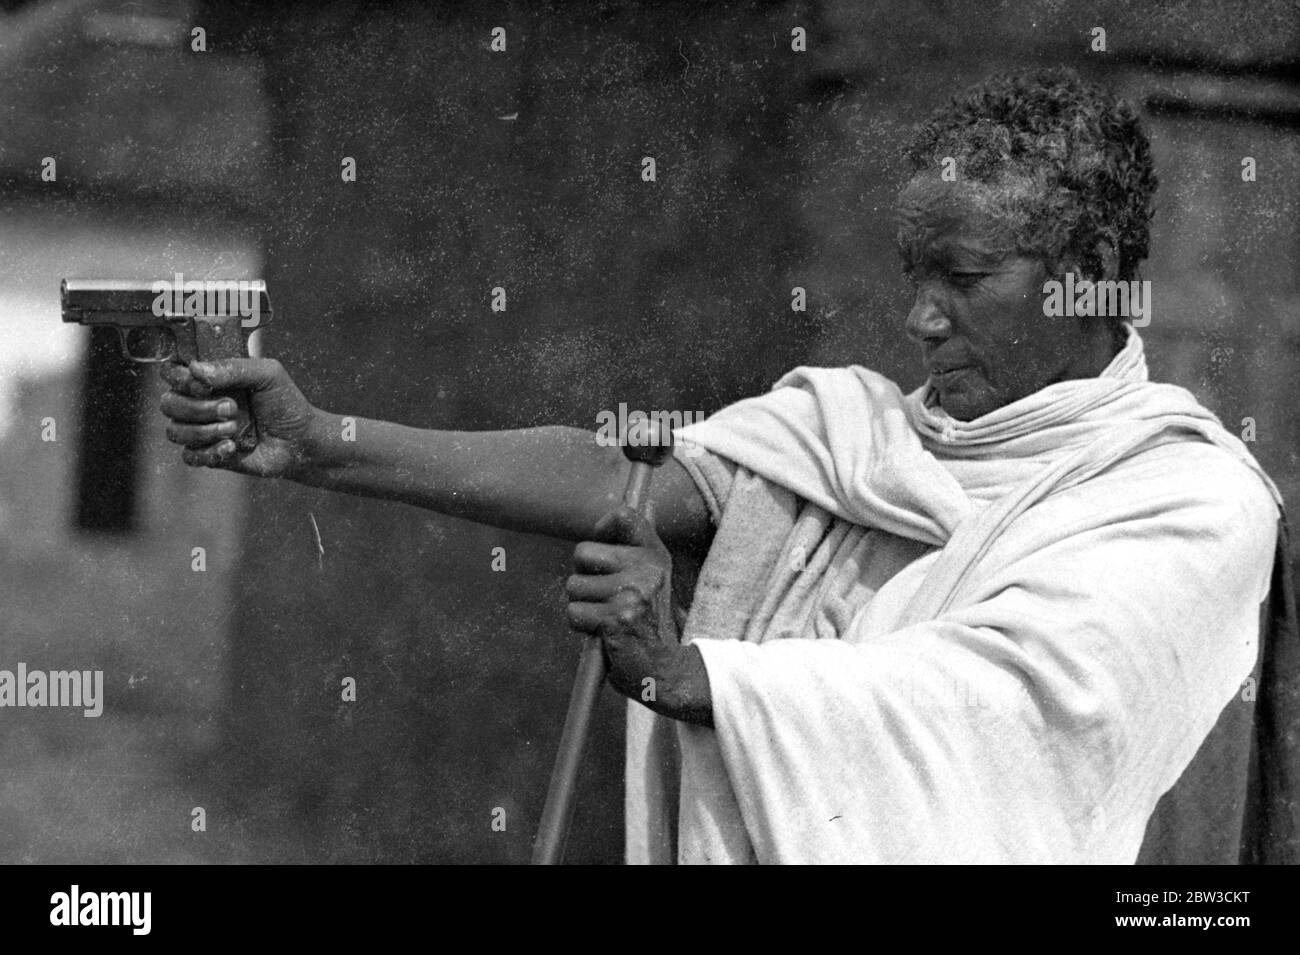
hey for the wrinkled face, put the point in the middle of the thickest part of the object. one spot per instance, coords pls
(978, 312)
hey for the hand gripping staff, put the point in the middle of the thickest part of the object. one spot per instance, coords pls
(653, 448)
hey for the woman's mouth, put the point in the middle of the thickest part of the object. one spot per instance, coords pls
(945, 376)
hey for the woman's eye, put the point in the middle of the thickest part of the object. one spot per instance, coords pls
(965, 279)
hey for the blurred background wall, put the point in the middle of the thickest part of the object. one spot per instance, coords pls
(478, 169)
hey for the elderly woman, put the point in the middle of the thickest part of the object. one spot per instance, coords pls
(989, 621)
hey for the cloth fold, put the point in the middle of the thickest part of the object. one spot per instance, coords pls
(847, 440)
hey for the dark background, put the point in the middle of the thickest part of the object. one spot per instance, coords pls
(478, 169)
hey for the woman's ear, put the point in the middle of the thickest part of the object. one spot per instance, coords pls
(1065, 265)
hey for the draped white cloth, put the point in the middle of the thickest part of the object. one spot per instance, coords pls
(990, 641)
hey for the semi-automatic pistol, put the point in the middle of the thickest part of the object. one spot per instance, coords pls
(179, 321)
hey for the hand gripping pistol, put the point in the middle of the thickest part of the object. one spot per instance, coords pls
(180, 321)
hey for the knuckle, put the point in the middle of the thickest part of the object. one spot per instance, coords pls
(630, 600)
(648, 577)
(627, 594)
(628, 516)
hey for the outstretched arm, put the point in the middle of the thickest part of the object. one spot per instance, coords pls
(551, 480)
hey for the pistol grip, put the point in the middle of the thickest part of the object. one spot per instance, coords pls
(217, 337)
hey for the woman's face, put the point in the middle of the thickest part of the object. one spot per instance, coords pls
(978, 312)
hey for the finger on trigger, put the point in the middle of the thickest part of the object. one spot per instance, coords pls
(173, 374)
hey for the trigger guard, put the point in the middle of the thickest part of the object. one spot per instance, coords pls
(164, 346)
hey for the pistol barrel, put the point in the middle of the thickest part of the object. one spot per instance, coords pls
(125, 302)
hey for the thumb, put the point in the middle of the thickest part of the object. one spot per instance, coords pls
(625, 525)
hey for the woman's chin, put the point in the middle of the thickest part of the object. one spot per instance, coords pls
(963, 403)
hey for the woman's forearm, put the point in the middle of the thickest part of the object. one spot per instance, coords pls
(549, 480)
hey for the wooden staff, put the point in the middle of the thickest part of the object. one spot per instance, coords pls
(654, 446)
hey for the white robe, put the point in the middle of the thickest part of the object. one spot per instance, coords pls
(991, 641)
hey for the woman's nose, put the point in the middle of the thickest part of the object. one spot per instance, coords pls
(926, 320)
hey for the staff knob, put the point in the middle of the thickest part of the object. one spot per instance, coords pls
(648, 441)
